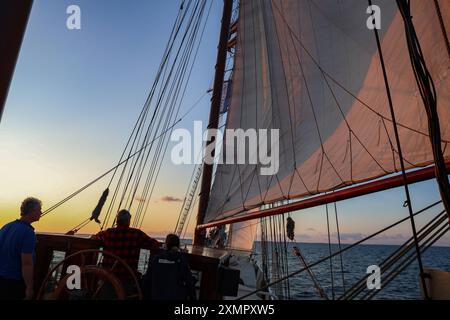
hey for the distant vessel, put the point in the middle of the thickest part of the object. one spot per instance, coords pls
(359, 110)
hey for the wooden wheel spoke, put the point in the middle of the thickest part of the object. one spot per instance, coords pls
(114, 265)
(99, 288)
(85, 284)
(94, 277)
(83, 260)
(92, 282)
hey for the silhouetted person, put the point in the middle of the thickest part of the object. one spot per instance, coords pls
(17, 256)
(168, 276)
(126, 243)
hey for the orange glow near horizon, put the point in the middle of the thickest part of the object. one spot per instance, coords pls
(28, 170)
(160, 220)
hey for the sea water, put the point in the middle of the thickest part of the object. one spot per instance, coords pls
(355, 263)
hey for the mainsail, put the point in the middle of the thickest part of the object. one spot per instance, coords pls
(311, 69)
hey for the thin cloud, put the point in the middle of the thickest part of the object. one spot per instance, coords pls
(170, 199)
(139, 199)
(393, 237)
(352, 236)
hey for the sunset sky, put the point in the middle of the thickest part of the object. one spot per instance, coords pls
(73, 102)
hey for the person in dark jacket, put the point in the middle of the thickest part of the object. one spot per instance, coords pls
(168, 275)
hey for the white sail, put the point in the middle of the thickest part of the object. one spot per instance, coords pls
(445, 12)
(242, 235)
(312, 70)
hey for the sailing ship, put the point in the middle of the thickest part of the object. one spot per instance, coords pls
(360, 109)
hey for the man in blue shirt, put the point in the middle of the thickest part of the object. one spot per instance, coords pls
(17, 244)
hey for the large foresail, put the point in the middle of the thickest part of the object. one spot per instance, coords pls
(311, 69)
(443, 7)
(242, 235)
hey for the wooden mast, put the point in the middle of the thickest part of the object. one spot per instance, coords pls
(13, 21)
(199, 237)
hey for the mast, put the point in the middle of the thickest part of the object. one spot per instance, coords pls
(13, 21)
(199, 237)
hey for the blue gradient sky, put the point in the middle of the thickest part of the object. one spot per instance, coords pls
(76, 94)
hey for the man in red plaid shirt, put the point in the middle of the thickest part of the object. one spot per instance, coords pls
(126, 243)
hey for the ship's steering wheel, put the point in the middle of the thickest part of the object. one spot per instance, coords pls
(97, 282)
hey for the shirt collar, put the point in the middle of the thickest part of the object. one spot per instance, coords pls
(25, 223)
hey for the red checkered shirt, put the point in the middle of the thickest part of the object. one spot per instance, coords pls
(125, 243)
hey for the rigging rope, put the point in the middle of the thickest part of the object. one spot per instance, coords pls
(150, 127)
(144, 113)
(359, 286)
(330, 252)
(336, 253)
(159, 154)
(141, 147)
(339, 244)
(78, 227)
(435, 237)
(188, 189)
(53, 207)
(441, 22)
(429, 97)
(148, 195)
(316, 283)
(139, 161)
(189, 218)
(290, 226)
(400, 154)
(286, 257)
